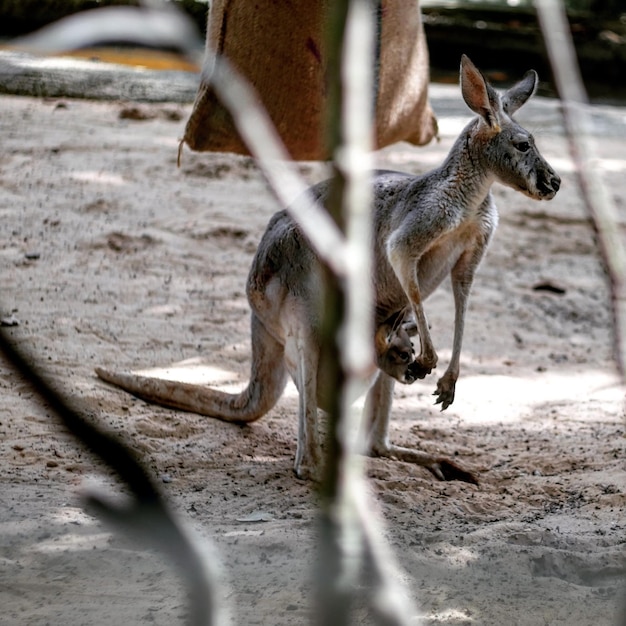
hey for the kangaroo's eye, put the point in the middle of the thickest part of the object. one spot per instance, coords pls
(404, 356)
(523, 146)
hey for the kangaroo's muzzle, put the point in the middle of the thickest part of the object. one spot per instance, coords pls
(548, 183)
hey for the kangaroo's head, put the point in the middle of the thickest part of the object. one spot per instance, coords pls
(395, 354)
(504, 147)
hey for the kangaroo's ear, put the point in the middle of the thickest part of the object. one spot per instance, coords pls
(396, 321)
(518, 95)
(391, 325)
(382, 339)
(478, 94)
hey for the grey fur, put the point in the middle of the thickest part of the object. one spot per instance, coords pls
(425, 228)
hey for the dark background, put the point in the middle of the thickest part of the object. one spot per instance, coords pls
(501, 36)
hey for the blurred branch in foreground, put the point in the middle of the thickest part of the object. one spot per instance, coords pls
(600, 206)
(349, 526)
(157, 25)
(145, 517)
(597, 199)
(352, 525)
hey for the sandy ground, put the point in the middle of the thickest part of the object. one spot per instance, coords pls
(112, 256)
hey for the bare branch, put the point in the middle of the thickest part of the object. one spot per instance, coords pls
(161, 26)
(147, 517)
(600, 206)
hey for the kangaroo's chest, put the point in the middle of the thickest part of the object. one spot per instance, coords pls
(443, 255)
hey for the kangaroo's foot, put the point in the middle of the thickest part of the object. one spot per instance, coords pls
(445, 390)
(309, 463)
(308, 473)
(440, 467)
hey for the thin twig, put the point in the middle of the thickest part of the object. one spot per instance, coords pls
(390, 603)
(340, 538)
(160, 26)
(147, 516)
(560, 46)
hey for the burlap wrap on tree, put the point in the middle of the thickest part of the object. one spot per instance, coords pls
(279, 47)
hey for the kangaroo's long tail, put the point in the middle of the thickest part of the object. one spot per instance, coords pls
(268, 378)
(249, 405)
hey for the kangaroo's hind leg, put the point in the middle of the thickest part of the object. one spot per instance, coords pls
(378, 413)
(302, 359)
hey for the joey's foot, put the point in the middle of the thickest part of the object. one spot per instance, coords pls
(445, 392)
(410, 328)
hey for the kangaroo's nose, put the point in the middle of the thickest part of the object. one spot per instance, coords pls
(548, 183)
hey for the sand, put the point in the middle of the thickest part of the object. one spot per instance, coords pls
(112, 256)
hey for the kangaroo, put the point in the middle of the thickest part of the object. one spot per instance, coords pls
(425, 228)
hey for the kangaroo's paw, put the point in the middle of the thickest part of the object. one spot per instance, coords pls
(440, 467)
(419, 369)
(445, 391)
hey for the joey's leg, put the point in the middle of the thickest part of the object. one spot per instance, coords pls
(308, 462)
(378, 411)
(405, 268)
(462, 278)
